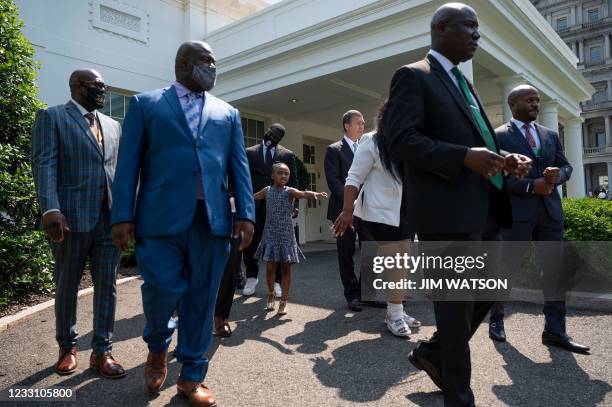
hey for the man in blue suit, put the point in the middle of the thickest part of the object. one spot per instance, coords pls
(182, 149)
(537, 213)
(74, 152)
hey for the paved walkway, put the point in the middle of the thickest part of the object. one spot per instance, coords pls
(322, 355)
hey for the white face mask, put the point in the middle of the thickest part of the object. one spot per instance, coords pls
(205, 76)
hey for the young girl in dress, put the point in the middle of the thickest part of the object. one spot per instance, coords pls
(278, 243)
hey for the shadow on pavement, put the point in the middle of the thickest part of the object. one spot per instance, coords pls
(560, 382)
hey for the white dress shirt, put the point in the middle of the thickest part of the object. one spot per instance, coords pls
(265, 150)
(352, 144)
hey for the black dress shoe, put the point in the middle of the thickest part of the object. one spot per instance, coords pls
(563, 341)
(354, 305)
(496, 331)
(426, 360)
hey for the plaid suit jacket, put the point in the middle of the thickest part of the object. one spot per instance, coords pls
(70, 170)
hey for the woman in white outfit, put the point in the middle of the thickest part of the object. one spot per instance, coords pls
(377, 208)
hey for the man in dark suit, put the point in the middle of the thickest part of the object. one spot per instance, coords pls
(455, 189)
(261, 157)
(338, 160)
(536, 205)
(74, 153)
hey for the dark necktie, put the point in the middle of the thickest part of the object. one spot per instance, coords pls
(531, 140)
(268, 161)
(485, 133)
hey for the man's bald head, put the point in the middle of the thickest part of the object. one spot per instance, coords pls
(87, 88)
(449, 11)
(192, 53)
(83, 75)
(524, 102)
(519, 92)
(454, 32)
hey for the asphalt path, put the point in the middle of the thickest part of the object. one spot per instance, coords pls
(320, 354)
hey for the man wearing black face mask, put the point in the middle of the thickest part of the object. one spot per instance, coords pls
(261, 157)
(74, 153)
(185, 147)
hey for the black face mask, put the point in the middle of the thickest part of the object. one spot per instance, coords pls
(205, 76)
(271, 139)
(96, 96)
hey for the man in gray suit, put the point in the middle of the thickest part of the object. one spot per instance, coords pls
(537, 213)
(74, 153)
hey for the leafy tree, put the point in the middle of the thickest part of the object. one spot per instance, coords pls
(25, 261)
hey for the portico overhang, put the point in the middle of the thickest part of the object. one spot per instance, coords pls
(310, 60)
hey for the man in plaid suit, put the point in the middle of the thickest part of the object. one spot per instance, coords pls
(74, 153)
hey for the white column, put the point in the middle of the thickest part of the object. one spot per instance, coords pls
(581, 51)
(549, 116)
(607, 127)
(507, 84)
(607, 45)
(574, 48)
(468, 70)
(573, 152)
(609, 89)
(195, 21)
(579, 14)
(572, 18)
(609, 177)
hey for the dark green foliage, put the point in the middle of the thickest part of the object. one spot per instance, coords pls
(588, 219)
(25, 261)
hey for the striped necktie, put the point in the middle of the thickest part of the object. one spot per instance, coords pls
(193, 113)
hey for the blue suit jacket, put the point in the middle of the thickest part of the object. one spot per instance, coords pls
(524, 204)
(69, 168)
(157, 170)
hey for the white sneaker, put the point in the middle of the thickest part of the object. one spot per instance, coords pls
(398, 327)
(411, 321)
(249, 287)
(278, 292)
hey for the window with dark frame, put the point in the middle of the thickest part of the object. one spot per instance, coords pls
(252, 130)
(593, 15)
(561, 23)
(116, 104)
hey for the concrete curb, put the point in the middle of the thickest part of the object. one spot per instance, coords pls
(11, 320)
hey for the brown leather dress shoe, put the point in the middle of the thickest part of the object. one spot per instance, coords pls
(67, 361)
(156, 370)
(106, 365)
(198, 394)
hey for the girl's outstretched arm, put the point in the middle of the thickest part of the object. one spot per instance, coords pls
(297, 194)
(261, 194)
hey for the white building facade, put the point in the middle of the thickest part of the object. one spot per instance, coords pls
(304, 63)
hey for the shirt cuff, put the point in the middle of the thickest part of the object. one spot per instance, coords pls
(50, 210)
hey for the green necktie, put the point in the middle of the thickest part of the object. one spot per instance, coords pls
(485, 133)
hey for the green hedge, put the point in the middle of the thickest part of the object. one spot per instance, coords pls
(25, 262)
(587, 219)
